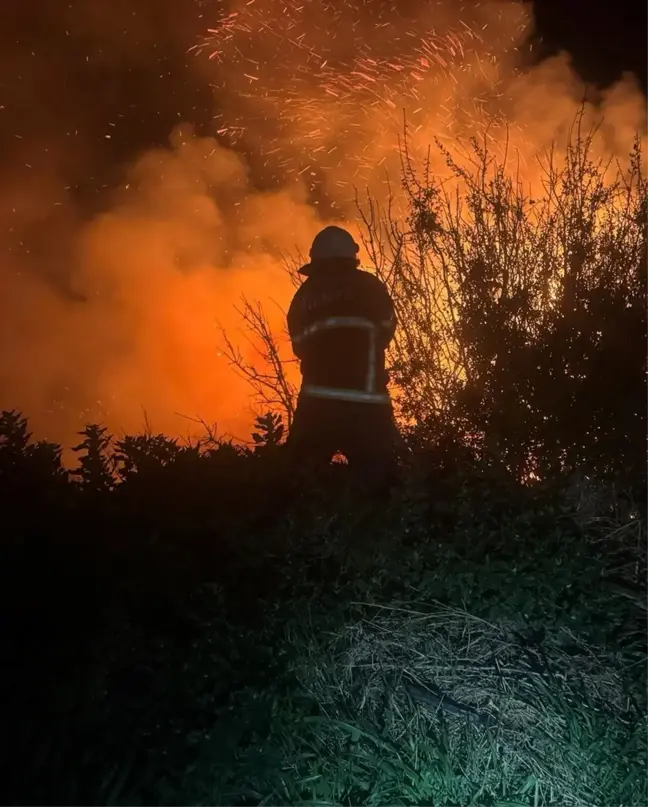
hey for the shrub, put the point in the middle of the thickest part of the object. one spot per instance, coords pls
(523, 320)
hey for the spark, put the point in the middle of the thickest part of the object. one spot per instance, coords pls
(332, 74)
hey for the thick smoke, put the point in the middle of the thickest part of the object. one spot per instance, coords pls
(117, 268)
(132, 325)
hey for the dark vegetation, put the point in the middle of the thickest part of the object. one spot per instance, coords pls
(174, 632)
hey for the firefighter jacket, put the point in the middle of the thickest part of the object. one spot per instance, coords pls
(340, 322)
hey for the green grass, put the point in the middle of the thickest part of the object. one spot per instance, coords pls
(279, 676)
(570, 708)
(564, 732)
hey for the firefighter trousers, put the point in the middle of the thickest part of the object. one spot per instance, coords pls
(365, 433)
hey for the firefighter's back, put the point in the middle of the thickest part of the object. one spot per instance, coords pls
(337, 314)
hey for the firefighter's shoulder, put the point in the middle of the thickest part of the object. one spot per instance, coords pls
(372, 283)
(297, 302)
(370, 278)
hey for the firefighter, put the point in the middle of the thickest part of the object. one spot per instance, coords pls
(341, 321)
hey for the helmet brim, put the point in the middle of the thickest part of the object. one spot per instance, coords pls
(306, 269)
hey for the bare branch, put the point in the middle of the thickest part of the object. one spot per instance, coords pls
(268, 379)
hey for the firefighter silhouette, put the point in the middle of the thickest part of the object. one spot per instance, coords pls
(341, 321)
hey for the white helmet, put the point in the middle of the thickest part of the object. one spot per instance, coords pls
(331, 242)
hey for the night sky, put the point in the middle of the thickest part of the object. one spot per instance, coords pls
(149, 83)
(604, 38)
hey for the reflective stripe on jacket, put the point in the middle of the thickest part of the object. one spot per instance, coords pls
(340, 324)
(367, 395)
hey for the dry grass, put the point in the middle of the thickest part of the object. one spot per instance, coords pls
(556, 706)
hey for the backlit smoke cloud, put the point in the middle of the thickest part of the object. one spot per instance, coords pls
(113, 314)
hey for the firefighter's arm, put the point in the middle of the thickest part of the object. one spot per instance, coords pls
(387, 315)
(295, 326)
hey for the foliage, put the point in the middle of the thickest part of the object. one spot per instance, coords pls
(523, 319)
(95, 466)
(164, 643)
(269, 431)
